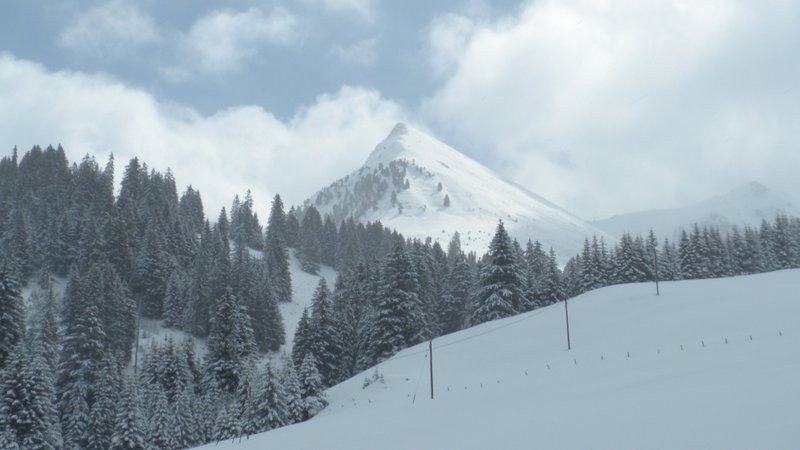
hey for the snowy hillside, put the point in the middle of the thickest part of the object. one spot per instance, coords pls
(746, 205)
(303, 286)
(422, 187)
(709, 364)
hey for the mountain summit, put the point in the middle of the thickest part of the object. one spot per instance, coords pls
(422, 187)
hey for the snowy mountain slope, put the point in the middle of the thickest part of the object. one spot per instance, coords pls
(746, 205)
(303, 286)
(709, 364)
(422, 187)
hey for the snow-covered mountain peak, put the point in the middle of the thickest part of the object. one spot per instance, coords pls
(754, 188)
(421, 149)
(422, 187)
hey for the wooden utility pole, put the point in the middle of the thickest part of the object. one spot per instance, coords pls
(430, 352)
(138, 334)
(566, 314)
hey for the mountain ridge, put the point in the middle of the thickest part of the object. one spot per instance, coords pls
(747, 204)
(423, 188)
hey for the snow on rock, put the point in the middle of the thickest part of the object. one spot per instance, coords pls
(422, 187)
(709, 364)
(746, 205)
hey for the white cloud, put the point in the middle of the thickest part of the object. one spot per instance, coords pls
(447, 39)
(362, 53)
(226, 153)
(109, 28)
(222, 40)
(641, 104)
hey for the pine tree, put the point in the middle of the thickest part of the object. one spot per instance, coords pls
(184, 422)
(254, 291)
(324, 339)
(629, 263)
(153, 268)
(27, 402)
(753, 258)
(399, 320)
(499, 291)
(105, 398)
(81, 357)
(230, 343)
(271, 410)
(292, 229)
(12, 314)
(456, 300)
(551, 285)
(669, 267)
(129, 431)
(227, 425)
(161, 432)
(47, 332)
(276, 253)
(309, 245)
(353, 310)
(295, 409)
(245, 401)
(175, 300)
(311, 388)
(302, 339)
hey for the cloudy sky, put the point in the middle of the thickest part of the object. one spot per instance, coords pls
(601, 106)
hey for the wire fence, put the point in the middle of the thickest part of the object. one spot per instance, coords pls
(568, 359)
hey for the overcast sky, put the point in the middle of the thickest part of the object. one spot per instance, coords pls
(603, 107)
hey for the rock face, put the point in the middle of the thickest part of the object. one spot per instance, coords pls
(424, 188)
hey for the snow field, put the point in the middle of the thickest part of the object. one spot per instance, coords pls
(645, 372)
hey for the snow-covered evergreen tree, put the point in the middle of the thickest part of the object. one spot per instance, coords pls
(311, 393)
(324, 338)
(271, 409)
(106, 390)
(295, 409)
(129, 429)
(499, 293)
(161, 432)
(12, 313)
(308, 251)
(227, 425)
(276, 253)
(230, 343)
(302, 339)
(456, 299)
(28, 417)
(398, 317)
(81, 357)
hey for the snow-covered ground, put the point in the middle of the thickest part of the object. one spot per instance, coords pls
(709, 364)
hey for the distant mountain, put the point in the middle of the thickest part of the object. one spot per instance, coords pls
(746, 205)
(422, 187)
